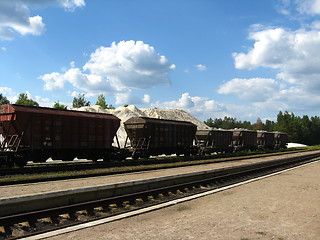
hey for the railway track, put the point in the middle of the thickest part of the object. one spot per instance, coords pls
(80, 169)
(132, 197)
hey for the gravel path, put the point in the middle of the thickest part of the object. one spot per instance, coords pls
(282, 207)
(36, 188)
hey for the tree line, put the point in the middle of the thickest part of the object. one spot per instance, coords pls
(304, 129)
(77, 102)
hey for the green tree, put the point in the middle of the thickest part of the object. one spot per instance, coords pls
(246, 125)
(258, 125)
(314, 130)
(209, 122)
(24, 100)
(269, 126)
(3, 99)
(227, 123)
(57, 105)
(102, 102)
(80, 101)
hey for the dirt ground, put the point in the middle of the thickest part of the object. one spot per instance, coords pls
(282, 207)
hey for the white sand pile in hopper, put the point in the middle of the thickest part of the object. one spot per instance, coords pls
(124, 113)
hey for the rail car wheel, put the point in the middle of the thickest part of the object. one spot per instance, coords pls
(18, 161)
(146, 154)
(9, 162)
(40, 158)
(21, 163)
(178, 154)
(135, 156)
(107, 157)
(67, 158)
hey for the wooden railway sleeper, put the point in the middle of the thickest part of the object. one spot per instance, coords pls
(144, 195)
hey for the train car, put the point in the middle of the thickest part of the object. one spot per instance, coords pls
(244, 139)
(152, 137)
(280, 140)
(214, 141)
(265, 140)
(37, 133)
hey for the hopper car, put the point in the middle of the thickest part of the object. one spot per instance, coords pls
(243, 139)
(265, 140)
(35, 134)
(281, 140)
(214, 140)
(151, 136)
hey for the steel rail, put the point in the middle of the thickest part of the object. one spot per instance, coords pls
(64, 167)
(235, 174)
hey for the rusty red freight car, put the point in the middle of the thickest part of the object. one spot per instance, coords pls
(152, 136)
(30, 133)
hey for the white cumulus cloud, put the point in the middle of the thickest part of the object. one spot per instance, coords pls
(299, 8)
(15, 16)
(130, 64)
(292, 53)
(199, 106)
(130, 98)
(116, 69)
(201, 67)
(253, 89)
(311, 7)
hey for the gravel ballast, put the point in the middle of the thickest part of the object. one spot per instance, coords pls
(63, 185)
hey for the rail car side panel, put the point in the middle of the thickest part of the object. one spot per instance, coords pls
(213, 140)
(158, 136)
(48, 131)
(281, 139)
(265, 139)
(244, 139)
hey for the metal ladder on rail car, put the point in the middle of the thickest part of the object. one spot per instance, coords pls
(11, 143)
(139, 143)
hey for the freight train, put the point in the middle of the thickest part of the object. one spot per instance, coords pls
(35, 134)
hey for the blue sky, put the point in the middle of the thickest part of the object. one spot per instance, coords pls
(212, 58)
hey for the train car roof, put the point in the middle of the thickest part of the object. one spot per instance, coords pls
(242, 130)
(13, 108)
(200, 131)
(137, 120)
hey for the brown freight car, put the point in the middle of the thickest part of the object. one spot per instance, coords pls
(152, 137)
(244, 139)
(37, 133)
(281, 140)
(214, 140)
(265, 140)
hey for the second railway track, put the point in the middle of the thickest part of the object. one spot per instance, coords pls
(82, 169)
(44, 214)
